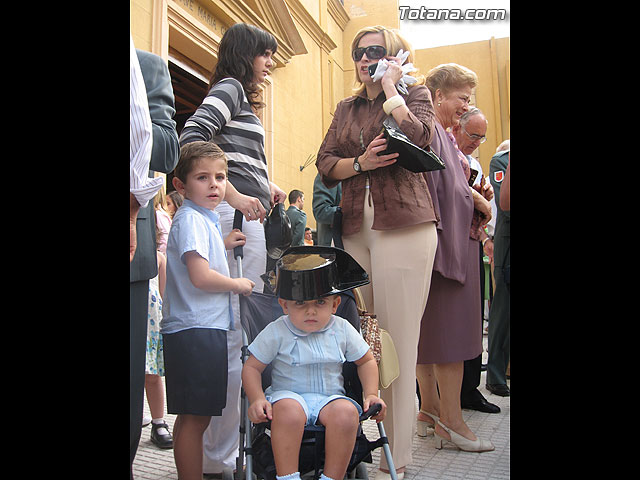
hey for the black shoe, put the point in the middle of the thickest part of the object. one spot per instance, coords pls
(499, 389)
(161, 440)
(481, 405)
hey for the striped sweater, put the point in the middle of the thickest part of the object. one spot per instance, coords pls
(225, 117)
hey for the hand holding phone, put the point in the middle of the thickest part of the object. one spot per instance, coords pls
(472, 178)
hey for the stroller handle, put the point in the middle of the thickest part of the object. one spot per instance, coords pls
(374, 409)
(237, 223)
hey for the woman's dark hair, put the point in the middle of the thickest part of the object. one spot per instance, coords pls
(239, 46)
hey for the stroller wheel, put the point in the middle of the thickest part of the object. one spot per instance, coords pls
(227, 473)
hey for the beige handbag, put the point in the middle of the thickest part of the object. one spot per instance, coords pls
(381, 343)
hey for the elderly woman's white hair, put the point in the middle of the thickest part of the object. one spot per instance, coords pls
(450, 76)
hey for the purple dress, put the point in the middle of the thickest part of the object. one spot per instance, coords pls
(451, 328)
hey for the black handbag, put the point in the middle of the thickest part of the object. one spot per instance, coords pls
(412, 157)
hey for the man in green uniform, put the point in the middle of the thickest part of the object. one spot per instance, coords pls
(297, 216)
(325, 203)
(499, 315)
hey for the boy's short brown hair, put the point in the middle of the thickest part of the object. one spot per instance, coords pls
(194, 151)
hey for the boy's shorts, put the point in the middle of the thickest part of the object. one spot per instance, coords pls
(195, 362)
(311, 403)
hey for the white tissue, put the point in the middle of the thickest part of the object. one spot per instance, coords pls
(405, 80)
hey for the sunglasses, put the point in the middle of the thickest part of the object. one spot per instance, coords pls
(374, 52)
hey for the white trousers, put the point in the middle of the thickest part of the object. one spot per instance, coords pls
(399, 263)
(220, 440)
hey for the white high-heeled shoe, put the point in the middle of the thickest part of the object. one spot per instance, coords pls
(424, 428)
(463, 443)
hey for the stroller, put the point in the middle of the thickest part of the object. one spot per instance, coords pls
(256, 311)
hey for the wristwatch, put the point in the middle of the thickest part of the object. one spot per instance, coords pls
(356, 166)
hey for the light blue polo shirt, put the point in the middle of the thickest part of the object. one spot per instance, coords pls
(308, 362)
(194, 228)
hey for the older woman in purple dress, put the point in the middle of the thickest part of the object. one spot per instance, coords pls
(449, 333)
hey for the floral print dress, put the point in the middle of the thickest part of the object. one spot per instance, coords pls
(155, 359)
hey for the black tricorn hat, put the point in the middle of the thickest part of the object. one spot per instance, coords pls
(309, 272)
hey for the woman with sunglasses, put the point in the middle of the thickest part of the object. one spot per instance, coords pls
(389, 224)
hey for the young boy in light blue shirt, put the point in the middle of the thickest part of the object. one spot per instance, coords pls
(306, 348)
(197, 303)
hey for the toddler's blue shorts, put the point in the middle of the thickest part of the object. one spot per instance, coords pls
(312, 403)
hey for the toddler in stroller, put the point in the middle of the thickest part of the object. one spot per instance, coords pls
(306, 348)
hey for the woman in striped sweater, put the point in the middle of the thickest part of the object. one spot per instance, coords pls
(227, 117)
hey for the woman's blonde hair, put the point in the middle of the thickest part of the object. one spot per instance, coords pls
(393, 42)
(450, 76)
(160, 199)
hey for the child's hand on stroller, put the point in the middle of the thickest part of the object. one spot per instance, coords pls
(235, 239)
(260, 411)
(244, 286)
(370, 401)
